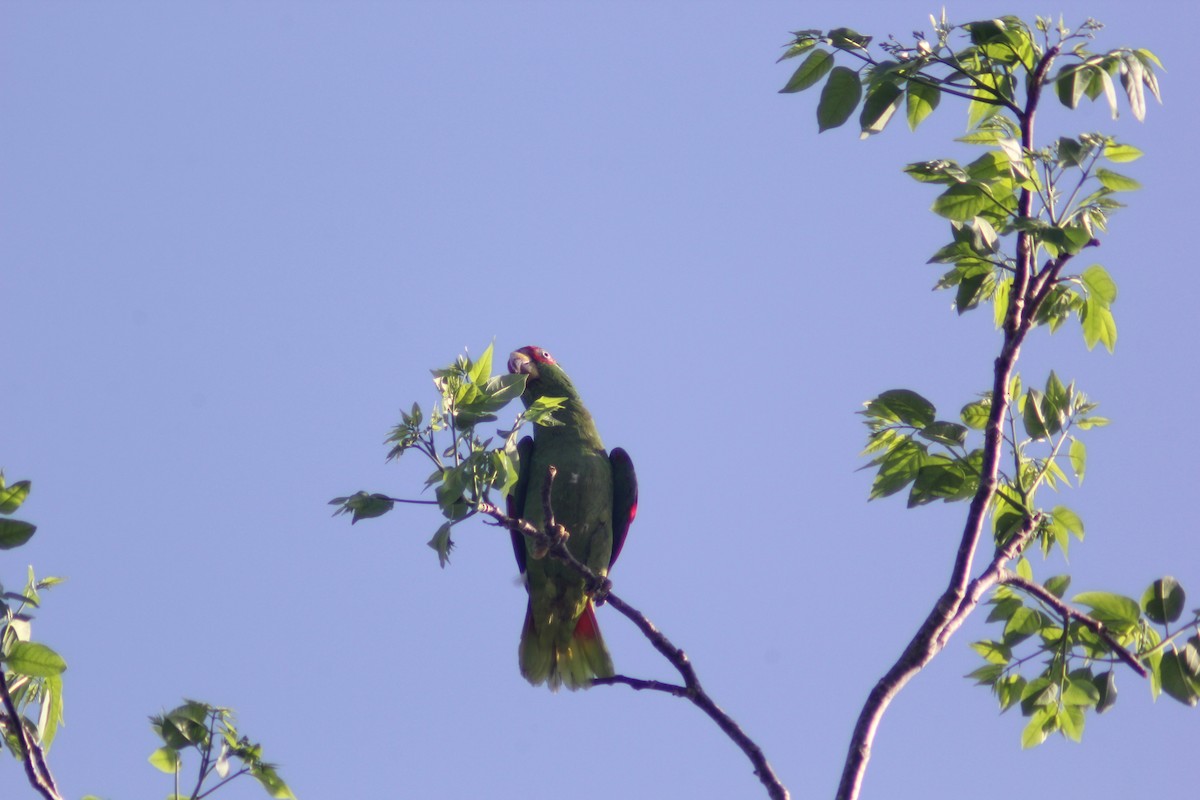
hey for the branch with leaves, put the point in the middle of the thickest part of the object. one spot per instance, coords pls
(1018, 216)
(30, 672)
(467, 473)
(225, 755)
(32, 678)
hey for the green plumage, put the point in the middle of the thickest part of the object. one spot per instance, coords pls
(561, 643)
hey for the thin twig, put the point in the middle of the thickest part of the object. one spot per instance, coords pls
(1069, 613)
(34, 758)
(554, 540)
(415, 502)
(639, 684)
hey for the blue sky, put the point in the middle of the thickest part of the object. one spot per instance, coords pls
(236, 237)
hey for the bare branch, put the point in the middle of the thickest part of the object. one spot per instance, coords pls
(639, 684)
(34, 758)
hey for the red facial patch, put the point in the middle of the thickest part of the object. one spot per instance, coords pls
(538, 354)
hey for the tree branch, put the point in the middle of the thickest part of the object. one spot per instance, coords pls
(1069, 613)
(962, 594)
(639, 684)
(32, 754)
(554, 539)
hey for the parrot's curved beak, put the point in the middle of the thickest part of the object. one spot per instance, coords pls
(521, 364)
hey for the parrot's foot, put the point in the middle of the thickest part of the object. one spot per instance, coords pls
(555, 535)
(601, 593)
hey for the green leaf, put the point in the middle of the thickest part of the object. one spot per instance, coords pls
(883, 99)
(938, 479)
(947, 433)
(1163, 601)
(1070, 152)
(839, 98)
(166, 759)
(11, 497)
(443, 544)
(1106, 686)
(1070, 721)
(1081, 689)
(1022, 624)
(962, 201)
(897, 469)
(1057, 585)
(1175, 679)
(1069, 520)
(1069, 85)
(1100, 285)
(1120, 613)
(987, 674)
(1121, 153)
(1032, 416)
(921, 100)
(993, 652)
(1000, 301)
(1037, 693)
(797, 48)
(1110, 91)
(903, 406)
(1008, 690)
(970, 289)
(848, 39)
(1116, 181)
(1078, 456)
(481, 370)
(1098, 324)
(33, 659)
(975, 415)
(1132, 79)
(1004, 609)
(52, 709)
(362, 505)
(266, 775)
(1040, 724)
(14, 533)
(810, 71)
(939, 171)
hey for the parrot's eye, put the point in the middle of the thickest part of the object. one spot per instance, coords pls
(546, 355)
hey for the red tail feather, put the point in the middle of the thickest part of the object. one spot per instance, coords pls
(587, 628)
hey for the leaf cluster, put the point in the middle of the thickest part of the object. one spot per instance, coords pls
(1017, 205)
(986, 62)
(31, 671)
(937, 459)
(990, 228)
(467, 467)
(225, 754)
(1073, 654)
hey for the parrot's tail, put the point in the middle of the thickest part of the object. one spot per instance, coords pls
(572, 663)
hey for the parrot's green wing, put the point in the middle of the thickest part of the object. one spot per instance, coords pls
(516, 499)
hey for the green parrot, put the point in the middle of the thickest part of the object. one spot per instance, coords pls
(595, 499)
